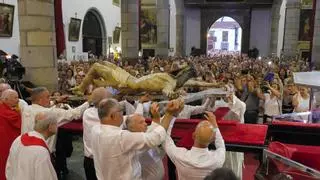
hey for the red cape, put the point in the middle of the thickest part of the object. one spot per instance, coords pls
(10, 129)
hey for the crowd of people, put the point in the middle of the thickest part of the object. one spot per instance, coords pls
(265, 85)
(118, 144)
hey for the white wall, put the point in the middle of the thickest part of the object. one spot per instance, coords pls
(260, 34)
(11, 45)
(192, 28)
(281, 27)
(111, 15)
(172, 27)
(231, 38)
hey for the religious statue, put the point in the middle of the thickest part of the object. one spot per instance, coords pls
(107, 74)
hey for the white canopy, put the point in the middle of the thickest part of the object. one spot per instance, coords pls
(310, 79)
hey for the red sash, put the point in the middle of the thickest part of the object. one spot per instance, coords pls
(27, 140)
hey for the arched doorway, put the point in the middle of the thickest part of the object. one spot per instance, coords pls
(94, 33)
(225, 35)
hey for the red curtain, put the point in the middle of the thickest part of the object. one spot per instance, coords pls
(60, 39)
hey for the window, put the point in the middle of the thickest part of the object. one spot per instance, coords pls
(225, 36)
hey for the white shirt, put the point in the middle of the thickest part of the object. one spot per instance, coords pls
(22, 104)
(188, 110)
(196, 163)
(29, 162)
(234, 160)
(115, 151)
(63, 116)
(238, 107)
(271, 105)
(151, 162)
(90, 119)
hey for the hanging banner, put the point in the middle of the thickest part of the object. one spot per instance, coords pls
(305, 29)
(148, 25)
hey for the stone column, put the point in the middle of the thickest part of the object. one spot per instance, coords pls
(316, 38)
(292, 27)
(37, 42)
(275, 18)
(162, 27)
(180, 49)
(130, 29)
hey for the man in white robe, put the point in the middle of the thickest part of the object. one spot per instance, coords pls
(150, 159)
(115, 150)
(234, 160)
(91, 119)
(41, 103)
(199, 161)
(29, 156)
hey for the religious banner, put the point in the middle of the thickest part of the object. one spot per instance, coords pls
(305, 34)
(305, 29)
(148, 25)
(116, 35)
(6, 20)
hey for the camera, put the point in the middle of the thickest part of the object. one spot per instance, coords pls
(264, 88)
(11, 68)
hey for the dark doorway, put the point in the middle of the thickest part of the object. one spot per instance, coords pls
(92, 34)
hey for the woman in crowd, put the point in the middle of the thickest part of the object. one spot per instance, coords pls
(301, 100)
(272, 101)
(248, 94)
(70, 78)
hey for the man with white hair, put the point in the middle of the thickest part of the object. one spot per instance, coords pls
(40, 98)
(115, 150)
(150, 159)
(29, 156)
(4, 86)
(91, 119)
(10, 125)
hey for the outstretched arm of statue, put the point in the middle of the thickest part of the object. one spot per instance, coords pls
(193, 83)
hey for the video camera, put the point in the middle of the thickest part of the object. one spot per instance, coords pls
(10, 67)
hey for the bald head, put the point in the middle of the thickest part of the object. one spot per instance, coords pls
(204, 134)
(99, 94)
(10, 97)
(3, 87)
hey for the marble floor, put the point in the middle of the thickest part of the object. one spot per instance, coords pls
(75, 162)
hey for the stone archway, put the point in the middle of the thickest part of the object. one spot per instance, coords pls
(94, 33)
(211, 15)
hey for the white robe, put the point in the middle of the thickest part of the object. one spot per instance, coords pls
(151, 162)
(90, 119)
(115, 151)
(195, 163)
(234, 160)
(63, 117)
(29, 162)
